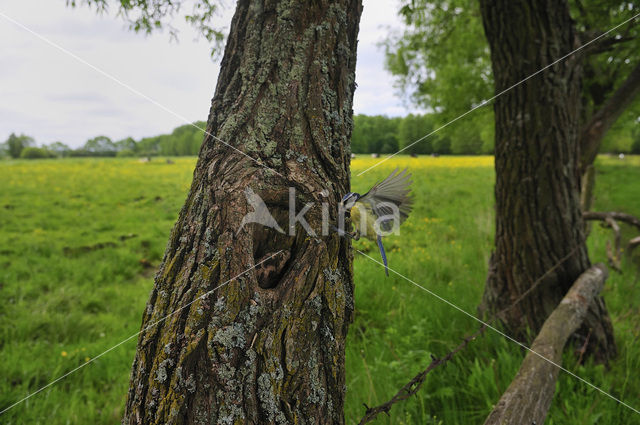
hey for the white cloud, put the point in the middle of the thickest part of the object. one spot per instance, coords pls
(51, 96)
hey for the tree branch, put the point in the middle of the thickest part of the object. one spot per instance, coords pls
(602, 216)
(606, 44)
(632, 244)
(614, 257)
(529, 396)
(593, 131)
(609, 219)
(588, 185)
(414, 384)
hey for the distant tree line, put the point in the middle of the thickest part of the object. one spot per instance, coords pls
(371, 134)
(473, 135)
(414, 134)
(184, 140)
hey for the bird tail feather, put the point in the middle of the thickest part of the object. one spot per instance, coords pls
(384, 256)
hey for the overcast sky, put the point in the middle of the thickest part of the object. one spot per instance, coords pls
(51, 96)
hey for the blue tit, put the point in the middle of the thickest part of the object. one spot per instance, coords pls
(377, 212)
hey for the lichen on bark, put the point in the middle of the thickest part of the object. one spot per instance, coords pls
(266, 346)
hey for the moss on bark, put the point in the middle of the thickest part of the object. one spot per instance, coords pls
(253, 352)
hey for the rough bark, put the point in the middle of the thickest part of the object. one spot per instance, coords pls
(538, 216)
(594, 130)
(528, 397)
(267, 347)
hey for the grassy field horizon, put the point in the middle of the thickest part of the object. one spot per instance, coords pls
(82, 238)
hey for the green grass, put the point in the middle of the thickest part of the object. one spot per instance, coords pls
(72, 284)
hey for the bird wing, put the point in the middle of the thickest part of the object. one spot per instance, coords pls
(394, 189)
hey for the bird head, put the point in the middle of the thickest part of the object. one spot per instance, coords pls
(349, 200)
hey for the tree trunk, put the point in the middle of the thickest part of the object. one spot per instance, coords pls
(538, 217)
(267, 346)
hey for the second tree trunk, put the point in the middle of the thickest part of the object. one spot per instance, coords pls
(538, 216)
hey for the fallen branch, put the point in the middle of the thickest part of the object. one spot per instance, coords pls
(602, 216)
(414, 384)
(529, 396)
(412, 387)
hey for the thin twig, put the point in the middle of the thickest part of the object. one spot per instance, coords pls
(614, 255)
(611, 219)
(611, 258)
(616, 231)
(583, 349)
(414, 384)
(412, 387)
(632, 244)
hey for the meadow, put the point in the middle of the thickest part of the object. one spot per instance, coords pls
(80, 240)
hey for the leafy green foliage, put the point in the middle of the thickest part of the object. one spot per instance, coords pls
(100, 146)
(375, 134)
(441, 61)
(442, 46)
(15, 144)
(125, 144)
(418, 135)
(371, 134)
(183, 140)
(125, 153)
(613, 58)
(200, 18)
(32, 152)
(381, 134)
(148, 16)
(59, 149)
(412, 128)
